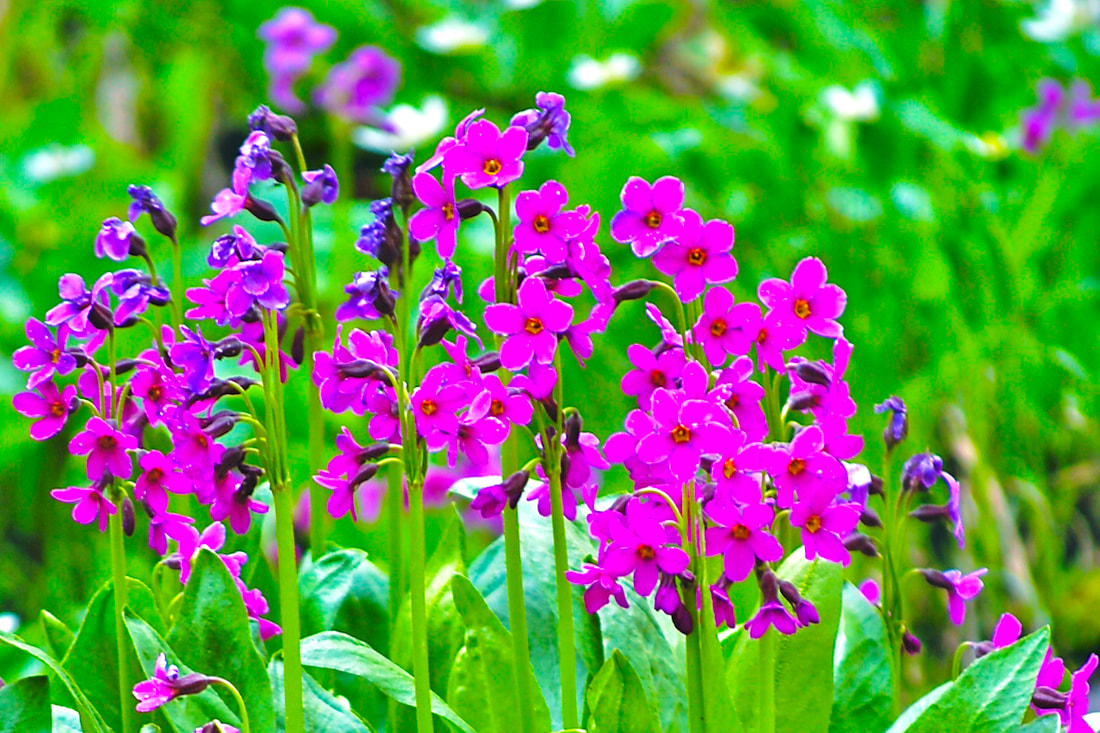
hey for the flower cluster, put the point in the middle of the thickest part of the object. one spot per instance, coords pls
(1071, 108)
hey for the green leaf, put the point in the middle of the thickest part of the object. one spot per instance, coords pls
(58, 636)
(1045, 724)
(65, 720)
(93, 721)
(344, 591)
(992, 694)
(340, 652)
(863, 675)
(184, 713)
(483, 684)
(25, 706)
(917, 709)
(324, 712)
(214, 636)
(617, 701)
(92, 658)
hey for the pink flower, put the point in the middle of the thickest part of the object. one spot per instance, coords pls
(700, 255)
(106, 449)
(685, 430)
(741, 537)
(743, 398)
(726, 328)
(806, 302)
(227, 202)
(488, 157)
(45, 356)
(642, 546)
(543, 226)
(440, 219)
(650, 215)
(959, 587)
(531, 326)
(651, 372)
(776, 336)
(49, 406)
(159, 475)
(166, 685)
(90, 504)
(824, 525)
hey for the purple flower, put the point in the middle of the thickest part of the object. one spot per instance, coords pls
(437, 318)
(832, 399)
(254, 161)
(159, 389)
(292, 39)
(800, 466)
(322, 186)
(488, 157)
(741, 536)
(824, 525)
(548, 121)
(77, 303)
(871, 591)
(700, 255)
(105, 447)
(144, 201)
(602, 587)
(371, 297)
(159, 476)
(233, 501)
(440, 219)
(163, 525)
(1077, 702)
(651, 215)
(507, 404)
(166, 685)
(1083, 111)
(530, 326)
(476, 430)
(195, 452)
(239, 244)
(49, 407)
(641, 546)
(195, 357)
(358, 87)
(685, 429)
(543, 226)
(445, 280)
(114, 239)
(135, 291)
(737, 470)
(651, 372)
(775, 337)
(262, 282)
(806, 302)
(90, 504)
(227, 202)
(959, 587)
(1038, 123)
(898, 427)
(435, 405)
(726, 328)
(45, 356)
(772, 612)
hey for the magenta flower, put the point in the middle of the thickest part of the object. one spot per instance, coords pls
(771, 614)
(832, 399)
(806, 302)
(776, 336)
(529, 327)
(642, 546)
(163, 525)
(159, 389)
(49, 406)
(743, 397)
(543, 226)
(358, 87)
(548, 121)
(292, 38)
(233, 501)
(507, 404)
(737, 470)
(1077, 701)
(800, 466)
(166, 685)
(90, 504)
(959, 587)
(449, 142)
(623, 448)
(195, 357)
(871, 591)
(602, 587)
(262, 284)
(685, 430)
(741, 536)
(159, 476)
(227, 202)
(650, 215)
(651, 372)
(46, 354)
(699, 256)
(488, 157)
(195, 452)
(113, 240)
(440, 219)
(726, 328)
(105, 447)
(435, 405)
(824, 525)
(220, 299)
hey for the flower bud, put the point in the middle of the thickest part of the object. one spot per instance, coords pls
(261, 209)
(228, 347)
(366, 473)
(861, 543)
(801, 401)
(930, 513)
(397, 166)
(220, 424)
(322, 187)
(936, 579)
(487, 363)
(231, 458)
(812, 372)
(633, 290)
(469, 208)
(374, 451)
(910, 644)
(100, 317)
(280, 127)
(137, 246)
(573, 425)
(129, 521)
(898, 426)
(876, 486)
(124, 366)
(1046, 698)
(868, 517)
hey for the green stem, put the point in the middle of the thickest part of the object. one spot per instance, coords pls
(567, 653)
(766, 687)
(177, 285)
(318, 513)
(517, 614)
(118, 580)
(694, 660)
(288, 600)
(417, 591)
(394, 518)
(245, 728)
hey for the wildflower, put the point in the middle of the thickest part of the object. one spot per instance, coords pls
(488, 157)
(959, 587)
(437, 318)
(195, 357)
(292, 38)
(90, 504)
(105, 447)
(800, 466)
(159, 475)
(233, 501)
(358, 87)
(824, 525)
(543, 226)
(871, 591)
(49, 406)
(776, 336)
(144, 201)
(435, 405)
(737, 469)
(279, 127)
(445, 280)
(166, 685)
(700, 255)
(806, 302)
(321, 186)
(46, 355)
(77, 305)
(669, 334)
(135, 291)
(440, 219)
(162, 525)
(772, 612)
(548, 121)
(603, 585)
(1077, 701)
(898, 427)
(829, 396)
(116, 239)
(239, 244)
(650, 215)
(685, 429)
(491, 500)
(741, 536)
(1039, 123)
(227, 202)
(623, 448)
(726, 328)
(254, 162)
(371, 297)
(651, 372)
(531, 326)
(261, 284)
(507, 404)
(641, 546)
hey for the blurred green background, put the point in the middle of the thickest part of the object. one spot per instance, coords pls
(971, 268)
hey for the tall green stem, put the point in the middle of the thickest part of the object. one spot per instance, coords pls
(118, 580)
(394, 514)
(567, 653)
(177, 284)
(318, 512)
(288, 599)
(417, 591)
(245, 727)
(766, 682)
(694, 649)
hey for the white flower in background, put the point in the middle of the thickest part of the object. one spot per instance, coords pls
(412, 127)
(858, 105)
(1057, 20)
(587, 73)
(452, 35)
(521, 4)
(9, 623)
(57, 161)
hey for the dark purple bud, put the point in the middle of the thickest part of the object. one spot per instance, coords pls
(790, 592)
(681, 619)
(280, 127)
(248, 486)
(261, 209)
(488, 363)
(876, 486)
(910, 644)
(397, 166)
(228, 347)
(869, 518)
(1046, 698)
(191, 684)
(931, 513)
(804, 611)
(513, 487)
(812, 372)
(434, 332)
(469, 208)
(100, 317)
(124, 366)
(620, 504)
(801, 401)
(374, 451)
(366, 473)
(220, 424)
(937, 579)
(279, 168)
(706, 463)
(633, 290)
(557, 272)
(769, 586)
(898, 426)
(137, 245)
(861, 543)
(921, 472)
(361, 369)
(147, 202)
(129, 521)
(249, 470)
(298, 345)
(384, 300)
(232, 458)
(707, 491)
(573, 425)
(982, 648)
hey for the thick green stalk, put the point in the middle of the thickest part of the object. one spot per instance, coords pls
(177, 284)
(417, 591)
(694, 656)
(288, 600)
(394, 515)
(567, 653)
(766, 682)
(318, 513)
(118, 580)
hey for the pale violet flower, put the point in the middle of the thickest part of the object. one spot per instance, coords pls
(412, 127)
(587, 73)
(57, 161)
(1057, 20)
(452, 35)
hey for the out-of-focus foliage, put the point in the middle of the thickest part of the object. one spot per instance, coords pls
(971, 268)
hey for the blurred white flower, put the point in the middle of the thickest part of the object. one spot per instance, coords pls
(858, 105)
(412, 127)
(521, 4)
(452, 35)
(1057, 20)
(588, 73)
(9, 623)
(57, 161)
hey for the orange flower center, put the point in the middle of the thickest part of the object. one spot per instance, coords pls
(653, 219)
(762, 336)
(813, 523)
(55, 356)
(541, 223)
(496, 408)
(491, 167)
(718, 328)
(645, 552)
(106, 442)
(428, 407)
(57, 409)
(681, 434)
(741, 532)
(729, 468)
(155, 475)
(657, 378)
(533, 326)
(697, 256)
(796, 466)
(448, 210)
(802, 308)
(733, 402)
(154, 392)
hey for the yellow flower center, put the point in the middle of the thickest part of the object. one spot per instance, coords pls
(802, 308)
(718, 328)
(541, 223)
(813, 523)
(653, 219)
(491, 167)
(697, 256)
(681, 434)
(448, 210)
(533, 326)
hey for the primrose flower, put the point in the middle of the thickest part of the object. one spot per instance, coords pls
(49, 406)
(1077, 701)
(543, 226)
(651, 372)
(159, 475)
(898, 427)
(115, 239)
(371, 297)
(548, 121)
(439, 219)
(358, 87)
(744, 398)
(642, 546)
(699, 256)
(685, 429)
(959, 587)
(105, 447)
(603, 585)
(46, 354)
(227, 202)
(292, 39)
(776, 336)
(239, 244)
(741, 536)
(435, 404)
(491, 500)
(90, 504)
(651, 215)
(806, 302)
(144, 201)
(726, 328)
(488, 157)
(195, 357)
(321, 186)
(824, 525)
(800, 466)
(531, 327)
(254, 161)
(166, 685)
(772, 612)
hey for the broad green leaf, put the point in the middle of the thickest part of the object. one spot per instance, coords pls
(483, 688)
(863, 675)
(214, 636)
(992, 694)
(92, 720)
(59, 637)
(25, 706)
(1049, 724)
(184, 713)
(917, 709)
(344, 591)
(340, 652)
(92, 658)
(324, 712)
(616, 700)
